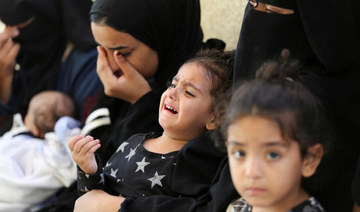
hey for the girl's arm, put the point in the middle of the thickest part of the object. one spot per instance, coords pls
(88, 182)
(98, 201)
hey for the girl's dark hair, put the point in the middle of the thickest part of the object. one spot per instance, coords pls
(219, 66)
(277, 95)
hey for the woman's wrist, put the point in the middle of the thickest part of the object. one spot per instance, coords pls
(5, 88)
(141, 92)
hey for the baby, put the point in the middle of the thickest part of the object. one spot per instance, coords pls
(35, 161)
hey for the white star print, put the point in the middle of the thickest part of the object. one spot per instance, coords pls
(156, 180)
(122, 146)
(118, 180)
(85, 189)
(141, 165)
(101, 179)
(132, 153)
(162, 157)
(107, 164)
(113, 173)
(87, 176)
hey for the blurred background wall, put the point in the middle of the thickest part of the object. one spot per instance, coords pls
(222, 19)
(219, 19)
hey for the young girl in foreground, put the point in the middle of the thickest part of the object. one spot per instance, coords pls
(274, 140)
(144, 164)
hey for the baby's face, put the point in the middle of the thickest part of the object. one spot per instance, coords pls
(265, 169)
(186, 106)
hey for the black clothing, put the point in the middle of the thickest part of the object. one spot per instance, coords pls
(325, 38)
(132, 171)
(219, 195)
(355, 187)
(135, 172)
(126, 120)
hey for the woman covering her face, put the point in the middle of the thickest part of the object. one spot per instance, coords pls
(141, 46)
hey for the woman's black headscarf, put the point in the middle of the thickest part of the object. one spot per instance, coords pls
(170, 27)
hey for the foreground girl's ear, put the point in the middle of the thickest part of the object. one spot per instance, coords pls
(312, 160)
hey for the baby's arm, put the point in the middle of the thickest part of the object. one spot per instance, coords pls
(82, 151)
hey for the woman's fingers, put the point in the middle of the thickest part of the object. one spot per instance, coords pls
(126, 68)
(13, 52)
(104, 72)
(133, 83)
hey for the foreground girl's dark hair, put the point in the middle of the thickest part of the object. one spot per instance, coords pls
(278, 95)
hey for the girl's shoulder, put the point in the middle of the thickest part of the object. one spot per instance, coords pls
(239, 205)
(310, 204)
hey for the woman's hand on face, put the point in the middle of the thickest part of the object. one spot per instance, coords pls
(129, 86)
(98, 201)
(82, 151)
(8, 52)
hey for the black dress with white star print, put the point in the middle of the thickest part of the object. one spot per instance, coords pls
(133, 171)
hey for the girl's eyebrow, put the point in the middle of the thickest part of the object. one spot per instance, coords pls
(276, 144)
(270, 144)
(188, 84)
(236, 143)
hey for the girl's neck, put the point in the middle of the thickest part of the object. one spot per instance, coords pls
(290, 202)
(164, 144)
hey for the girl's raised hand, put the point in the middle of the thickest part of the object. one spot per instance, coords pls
(82, 151)
(129, 86)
